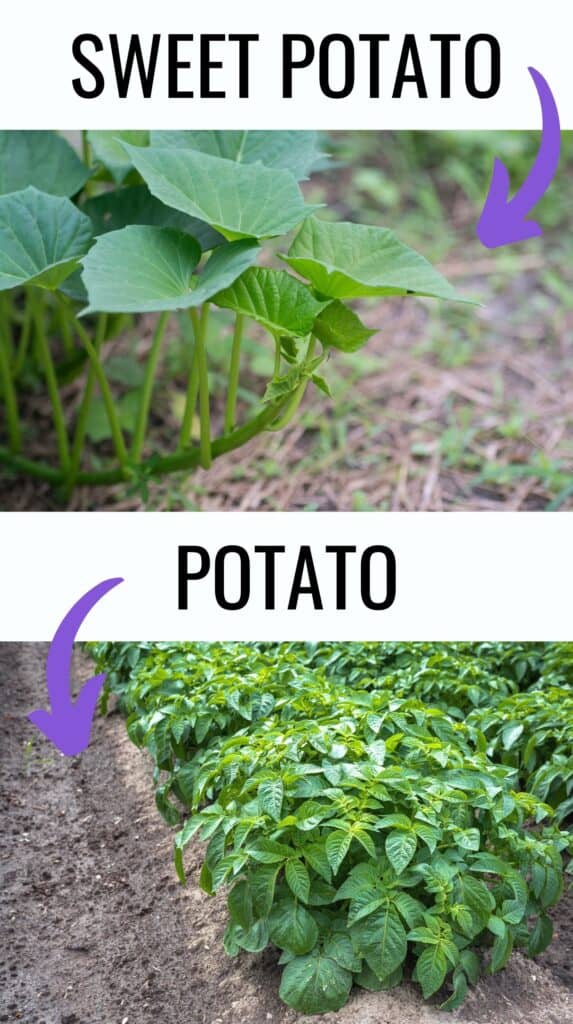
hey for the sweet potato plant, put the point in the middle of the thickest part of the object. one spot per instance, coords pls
(364, 820)
(176, 226)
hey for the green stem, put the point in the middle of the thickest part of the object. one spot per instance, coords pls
(154, 467)
(25, 335)
(297, 395)
(277, 364)
(231, 406)
(107, 397)
(147, 388)
(205, 454)
(192, 392)
(64, 325)
(84, 409)
(51, 380)
(12, 417)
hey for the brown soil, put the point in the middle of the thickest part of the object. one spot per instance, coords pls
(96, 929)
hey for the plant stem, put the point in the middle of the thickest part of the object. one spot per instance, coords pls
(107, 397)
(154, 467)
(25, 335)
(12, 417)
(231, 407)
(205, 455)
(64, 324)
(192, 392)
(83, 412)
(277, 364)
(147, 388)
(297, 395)
(51, 379)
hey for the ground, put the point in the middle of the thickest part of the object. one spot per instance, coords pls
(450, 406)
(97, 930)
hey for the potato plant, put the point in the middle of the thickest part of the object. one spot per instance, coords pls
(176, 226)
(359, 826)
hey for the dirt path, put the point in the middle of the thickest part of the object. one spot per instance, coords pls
(96, 930)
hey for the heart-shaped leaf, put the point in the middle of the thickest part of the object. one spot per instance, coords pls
(122, 207)
(42, 239)
(108, 149)
(144, 269)
(294, 151)
(238, 200)
(42, 159)
(347, 261)
(274, 299)
(337, 326)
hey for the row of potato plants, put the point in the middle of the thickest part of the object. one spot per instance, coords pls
(365, 823)
(175, 225)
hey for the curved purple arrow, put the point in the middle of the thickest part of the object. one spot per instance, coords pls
(504, 221)
(68, 724)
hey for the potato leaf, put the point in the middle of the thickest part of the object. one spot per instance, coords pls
(315, 984)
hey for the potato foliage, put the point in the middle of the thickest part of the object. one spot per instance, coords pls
(371, 809)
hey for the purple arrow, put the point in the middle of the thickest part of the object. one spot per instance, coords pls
(68, 725)
(504, 221)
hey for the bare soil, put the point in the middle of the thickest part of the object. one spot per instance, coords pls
(96, 929)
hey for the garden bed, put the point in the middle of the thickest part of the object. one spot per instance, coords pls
(97, 929)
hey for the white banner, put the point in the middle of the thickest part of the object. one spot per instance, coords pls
(302, 64)
(457, 576)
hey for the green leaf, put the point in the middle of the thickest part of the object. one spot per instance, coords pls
(476, 895)
(240, 904)
(510, 734)
(274, 299)
(143, 269)
(238, 200)
(42, 239)
(315, 984)
(253, 939)
(431, 969)
(501, 950)
(123, 207)
(42, 159)
(268, 851)
(460, 991)
(298, 880)
(292, 927)
(540, 936)
(337, 846)
(337, 326)
(400, 848)
(347, 261)
(294, 151)
(315, 855)
(262, 881)
(381, 939)
(338, 946)
(270, 796)
(108, 149)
